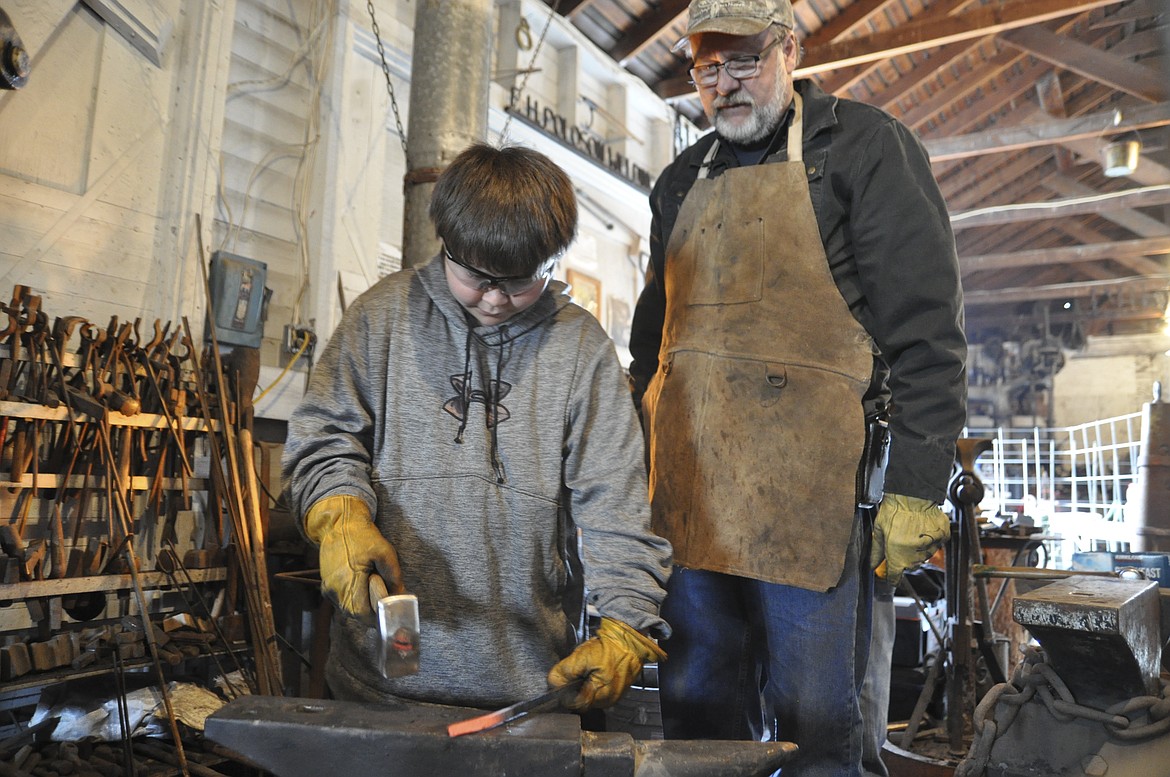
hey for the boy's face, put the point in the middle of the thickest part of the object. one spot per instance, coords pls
(485, 299)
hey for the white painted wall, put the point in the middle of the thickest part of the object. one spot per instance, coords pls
(268, 122)
(104, 160)
(1112, 377)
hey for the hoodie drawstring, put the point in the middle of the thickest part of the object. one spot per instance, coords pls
(491, 402)
(466, 398)
(493, 417)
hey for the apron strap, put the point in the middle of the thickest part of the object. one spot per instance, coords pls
(796, 129)
(705, 168)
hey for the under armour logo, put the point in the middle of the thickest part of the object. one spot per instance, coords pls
(490, 399)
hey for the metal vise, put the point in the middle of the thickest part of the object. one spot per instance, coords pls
(310, 737)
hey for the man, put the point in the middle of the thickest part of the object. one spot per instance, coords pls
(803, 277)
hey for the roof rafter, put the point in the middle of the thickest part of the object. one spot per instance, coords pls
(916, 36)
(1091, 252)
(1093, 125)
(1133, 284)
(1090, 62)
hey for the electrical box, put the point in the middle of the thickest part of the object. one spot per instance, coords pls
(239, 299)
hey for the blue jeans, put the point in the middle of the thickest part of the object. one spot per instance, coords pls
(750, 660)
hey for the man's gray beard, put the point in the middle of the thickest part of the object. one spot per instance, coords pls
(761, 124)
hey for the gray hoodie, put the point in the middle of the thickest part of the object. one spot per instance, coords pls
(472, 445)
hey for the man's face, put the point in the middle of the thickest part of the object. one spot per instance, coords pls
(748, 110)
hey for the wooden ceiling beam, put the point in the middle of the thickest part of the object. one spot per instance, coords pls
(1008, 67)
(674, 87)
(1033, 237)
(1090, 62)
(1132, 12)
(956, 177)
(975, 183)
(840, 80)
(1052, 275)
(1004, 94)
(921, 69)
(648, 29)
(986, 318)
(997, 69)
(847, 21)
(1137, 223)
(1050, 96)
(1090, 126)
(1074, 206)
(1066, 254)
(569, 8)
(932, 33)
(1139, 44)
(1086, 234)
(989, 240)
(1137, 284)
(1134, 221)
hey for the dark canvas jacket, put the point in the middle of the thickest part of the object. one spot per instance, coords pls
(891, 252)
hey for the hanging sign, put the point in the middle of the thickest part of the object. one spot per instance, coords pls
(551, 123)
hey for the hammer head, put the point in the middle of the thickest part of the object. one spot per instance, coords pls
(398, 629)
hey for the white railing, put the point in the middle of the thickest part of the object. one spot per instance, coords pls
(1069, 481)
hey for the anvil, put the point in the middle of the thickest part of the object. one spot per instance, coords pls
(310, 737)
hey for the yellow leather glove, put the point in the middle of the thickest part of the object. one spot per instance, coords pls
(906, 532)
(605, 665)
(351, 546)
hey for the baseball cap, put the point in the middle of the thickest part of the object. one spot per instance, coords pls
(738, 17)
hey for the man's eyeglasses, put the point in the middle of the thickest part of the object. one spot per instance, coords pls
(510, 285)
(739, 68)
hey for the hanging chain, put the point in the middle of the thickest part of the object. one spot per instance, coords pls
(1139, 718)
(516, 92)
(386, 72)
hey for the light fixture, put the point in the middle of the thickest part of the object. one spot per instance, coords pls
(1119, 157)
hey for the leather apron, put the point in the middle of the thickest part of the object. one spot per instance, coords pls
(754, 418)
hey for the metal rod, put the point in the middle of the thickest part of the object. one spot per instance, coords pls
(1032, 573)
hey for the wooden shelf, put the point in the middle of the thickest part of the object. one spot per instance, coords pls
(37, 680)
(34, 412)
(34, 589)
(137, 482)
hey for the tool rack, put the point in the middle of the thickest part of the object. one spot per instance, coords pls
(116, 502)
(54, 612)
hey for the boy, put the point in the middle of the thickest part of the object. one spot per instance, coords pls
(464, 421)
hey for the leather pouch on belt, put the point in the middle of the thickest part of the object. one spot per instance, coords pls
(871, 473)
